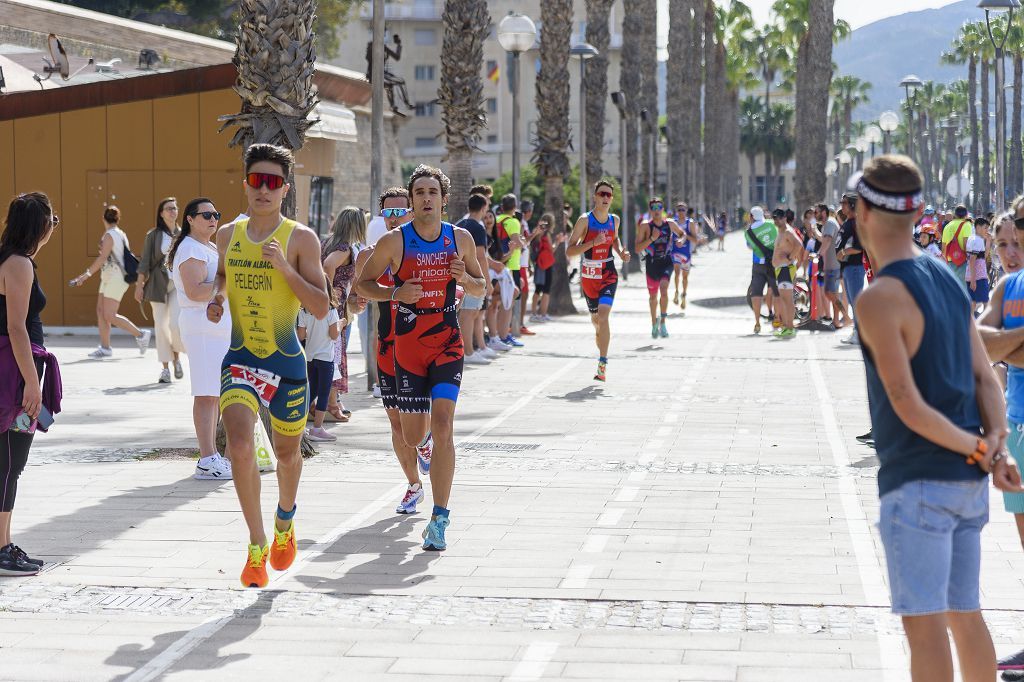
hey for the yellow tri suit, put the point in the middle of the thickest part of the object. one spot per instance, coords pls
(265, 362)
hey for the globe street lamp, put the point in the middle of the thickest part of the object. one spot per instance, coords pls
(889, 121)
(873, 135)
(516, 34)
(860, 145)
(910, 84)
(991, 6)
(583, 51)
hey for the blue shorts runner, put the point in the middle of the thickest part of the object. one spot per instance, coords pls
(1014, 502)
(277, 382)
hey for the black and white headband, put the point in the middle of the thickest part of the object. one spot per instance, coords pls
(893, 202)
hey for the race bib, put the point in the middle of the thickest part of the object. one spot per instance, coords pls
(264, 383)
(592, 270)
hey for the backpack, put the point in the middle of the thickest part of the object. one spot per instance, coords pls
(954, 253)
(128, 262)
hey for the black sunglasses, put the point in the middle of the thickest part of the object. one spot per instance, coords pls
(55, 220)
(209, 215)
(1018, 223)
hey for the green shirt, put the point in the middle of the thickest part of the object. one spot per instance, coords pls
(767, 233)
(512, 227)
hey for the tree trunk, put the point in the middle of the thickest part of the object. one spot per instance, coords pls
(972, 112)
(814, 72)
(561, 292)
(733, 186)
(768, 199)
(460, 172)
(649, 92)
(694, 86)
(1016, 171)
(675, 96)
(596, 87)
(630, 81)
(710, 151)
(985, 179)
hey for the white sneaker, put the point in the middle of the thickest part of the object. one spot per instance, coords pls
(852, 340)
(476, 359)
(143, 341)
(101, 353)
(488, 353)
(497, 344)
(212, 468)
(320, 435)
(537, 318)
(546, 318)
(165, 376)
(376, 391)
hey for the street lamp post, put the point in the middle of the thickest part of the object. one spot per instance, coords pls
(910, 84)
(516, 34)
(845, 159)
(889, 121)
(991, 6)
(583, 51)
(668, 167)
(873, 135)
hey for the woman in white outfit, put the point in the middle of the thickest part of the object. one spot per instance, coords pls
(193, 264)
(110, 264)
(154, 285)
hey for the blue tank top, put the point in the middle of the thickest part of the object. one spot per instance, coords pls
(1013, 317)
(943, 375)
(685, 247)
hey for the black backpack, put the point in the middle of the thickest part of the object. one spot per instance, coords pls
(131, 265)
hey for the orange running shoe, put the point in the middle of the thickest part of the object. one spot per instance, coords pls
(282, 551)
(255, 572)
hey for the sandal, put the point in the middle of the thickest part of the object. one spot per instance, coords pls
(335, 415)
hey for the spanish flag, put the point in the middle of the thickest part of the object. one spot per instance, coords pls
(494, 75)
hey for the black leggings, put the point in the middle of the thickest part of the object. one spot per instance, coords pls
(320, 372)
(14, 448)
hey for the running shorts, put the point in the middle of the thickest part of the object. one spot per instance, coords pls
(606, 296)
(428, 363)
(681, 260)
(762, 275)
(658, 270)
(542, 280)
(278, 382)
(784, 276)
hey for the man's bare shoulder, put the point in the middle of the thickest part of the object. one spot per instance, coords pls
(885, 299)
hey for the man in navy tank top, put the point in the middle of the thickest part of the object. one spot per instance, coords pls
(427, 259)
(939, 420)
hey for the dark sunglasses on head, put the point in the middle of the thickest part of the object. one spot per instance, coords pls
(606, 194)
(394, 212)
(55, 220)
(209, 215)
(257, 180)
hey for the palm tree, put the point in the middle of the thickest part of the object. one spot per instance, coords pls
(461, 93)
(714, 94)
(737, 30)
(596, 85)
(811, 26)
(1015, 48)
(752, 125)
(675, 96)
(774, 57)
(630, 82)
(966, 49)
(552, 144)
(275, 57)
(851, 92)
(649, 89)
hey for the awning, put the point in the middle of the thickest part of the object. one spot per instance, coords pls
(337, 122)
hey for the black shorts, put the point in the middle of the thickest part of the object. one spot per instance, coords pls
(388, 389)
(517, 277)
(604, 297)
(542, 280)
(762, 275)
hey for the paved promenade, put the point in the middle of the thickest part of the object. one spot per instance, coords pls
(705, 515)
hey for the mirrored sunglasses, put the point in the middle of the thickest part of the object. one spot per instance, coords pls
(257, 180)
(394, 212)
(606, 194)
(656, 207)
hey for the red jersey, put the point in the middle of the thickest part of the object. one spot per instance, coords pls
(598, 269)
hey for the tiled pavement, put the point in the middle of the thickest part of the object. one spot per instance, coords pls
(705, 515)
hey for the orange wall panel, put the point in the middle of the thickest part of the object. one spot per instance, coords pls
(226, 191)
(183, 185)
(7, 186)
(130, 136)
(214, 153)
(176, 133)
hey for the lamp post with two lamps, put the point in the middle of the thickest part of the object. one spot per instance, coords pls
(998, 6)
(910, 84)
(516, 34)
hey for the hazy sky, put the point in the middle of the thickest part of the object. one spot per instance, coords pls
(857, 12)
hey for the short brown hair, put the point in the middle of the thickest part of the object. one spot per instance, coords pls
(894, 173)
(425, 171)
(485, 190)
(262, 151)
(393, 193)
(112, 214)
(603, 183)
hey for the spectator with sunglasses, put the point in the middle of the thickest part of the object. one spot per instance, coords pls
(470, 313)
(192, 261)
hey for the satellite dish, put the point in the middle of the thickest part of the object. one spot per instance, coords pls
(59, 56)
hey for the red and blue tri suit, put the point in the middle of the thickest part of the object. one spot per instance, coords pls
(428, 344)
(598, 276)
(386, 345)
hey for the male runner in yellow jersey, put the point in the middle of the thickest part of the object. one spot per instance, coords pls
(269, 266)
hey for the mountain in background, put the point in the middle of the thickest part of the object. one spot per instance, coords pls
(883, 52)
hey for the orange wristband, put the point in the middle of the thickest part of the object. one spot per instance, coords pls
(979, 452)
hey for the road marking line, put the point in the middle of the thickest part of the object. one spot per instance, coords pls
(534, 661)
(576, 577)
(595, 544)
(894, 663)
(611, 517)
(627, 494)
(179, 649)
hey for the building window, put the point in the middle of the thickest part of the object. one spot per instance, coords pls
(424, 72)
(425, 141)
(425, 109)
(321, 195)
(492, 105)
(425, 36)
(492, 139)
(758, 194)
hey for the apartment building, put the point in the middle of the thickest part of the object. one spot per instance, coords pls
(421, 135)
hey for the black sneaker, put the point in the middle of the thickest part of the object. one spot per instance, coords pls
(11, 563)
(1012, 662)
(26, 558)
(866, 438)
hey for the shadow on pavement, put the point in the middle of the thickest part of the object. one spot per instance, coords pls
(242, 623)
(144, 388)
(389, 540)
(584, 394)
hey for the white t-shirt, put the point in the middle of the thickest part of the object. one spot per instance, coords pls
(975, 244)
(375, 230)
(192, 249)
(319, 344)
(165, 243)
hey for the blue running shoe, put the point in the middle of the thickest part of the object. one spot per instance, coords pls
(413, 496)
(663, 329)
(512, 341)
(433, 535)
(423, 453)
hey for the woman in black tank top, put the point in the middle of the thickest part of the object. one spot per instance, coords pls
(30, 223)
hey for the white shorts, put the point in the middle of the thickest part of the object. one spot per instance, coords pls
(112, 284)
(206, 343)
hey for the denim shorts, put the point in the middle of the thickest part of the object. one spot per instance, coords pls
(832, 278)
(1014, 502)
(472, 302)
(931, 531)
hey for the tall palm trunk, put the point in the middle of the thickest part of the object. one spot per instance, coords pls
(649, 94)
(972, 113)
(630, 82)
(814, 71)
(461, 93)
(275, 57)
(552, 147)
(768, 193)
(695, 81)
(733, 186)
(596, 86)
(985, 180)
(1016, 173)
(675, 96)
(711, 151)
(847, 120)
